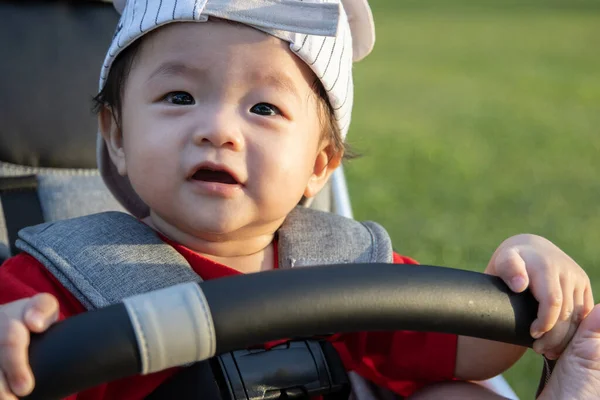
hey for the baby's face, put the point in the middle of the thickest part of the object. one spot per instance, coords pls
(221, 136)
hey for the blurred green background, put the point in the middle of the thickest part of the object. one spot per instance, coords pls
(478, 120)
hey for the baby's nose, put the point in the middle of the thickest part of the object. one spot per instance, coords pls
(219, 130)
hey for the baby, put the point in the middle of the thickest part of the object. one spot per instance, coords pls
(216, 119)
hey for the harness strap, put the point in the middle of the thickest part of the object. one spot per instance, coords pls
(21, 205)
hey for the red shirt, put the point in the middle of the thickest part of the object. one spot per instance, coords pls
(401, 361)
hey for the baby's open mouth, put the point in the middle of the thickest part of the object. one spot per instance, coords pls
(219, 176)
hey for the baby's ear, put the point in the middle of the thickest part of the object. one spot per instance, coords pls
(113, 138)
(327, 161)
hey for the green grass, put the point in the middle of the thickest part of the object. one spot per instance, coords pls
(479, 120)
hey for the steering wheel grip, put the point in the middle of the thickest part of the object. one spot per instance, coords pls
(193, 322)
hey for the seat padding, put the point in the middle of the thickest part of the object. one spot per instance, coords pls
(64, 193)
(52, 52)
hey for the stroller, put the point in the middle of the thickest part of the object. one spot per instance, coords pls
(47, 159)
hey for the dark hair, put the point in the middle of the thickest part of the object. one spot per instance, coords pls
(111, 96)
(331, 130)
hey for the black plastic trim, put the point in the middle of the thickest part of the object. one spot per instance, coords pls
(82, 352)
(252, 309)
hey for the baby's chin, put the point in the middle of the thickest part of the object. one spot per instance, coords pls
(216, 228)
(216, 224)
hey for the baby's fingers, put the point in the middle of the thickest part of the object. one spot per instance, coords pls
(41, 312)
(549, 294)
(14, 339)
(553, 343)
(5, 393)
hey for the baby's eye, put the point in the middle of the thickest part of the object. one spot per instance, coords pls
(180, 98)
(265, 109)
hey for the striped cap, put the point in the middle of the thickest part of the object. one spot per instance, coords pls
(328, 35)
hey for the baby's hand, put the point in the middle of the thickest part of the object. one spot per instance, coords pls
(560, 286)
(17, 319)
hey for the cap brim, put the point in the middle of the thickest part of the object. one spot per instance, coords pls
(362, 27)
(360, 19)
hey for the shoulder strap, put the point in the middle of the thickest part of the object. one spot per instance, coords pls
(311, 237)
(20, 205)
(103, 258)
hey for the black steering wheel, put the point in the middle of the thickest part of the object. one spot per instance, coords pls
(237, 312)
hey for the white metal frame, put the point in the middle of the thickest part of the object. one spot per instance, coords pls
(342, 206)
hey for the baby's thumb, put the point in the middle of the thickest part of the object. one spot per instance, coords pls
(511, 267)
(41, 312)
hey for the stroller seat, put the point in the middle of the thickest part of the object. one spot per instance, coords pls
(49, 74)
